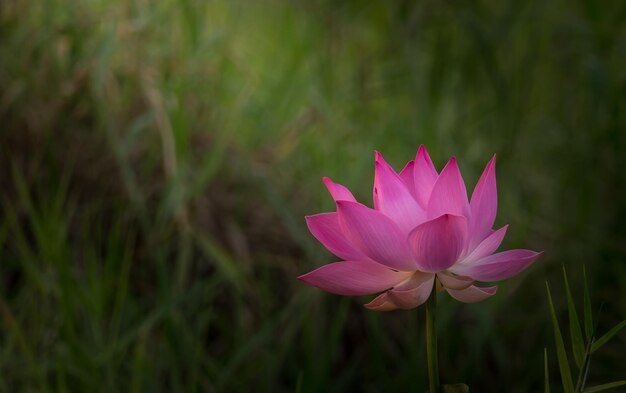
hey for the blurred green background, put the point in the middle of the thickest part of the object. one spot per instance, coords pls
(157, 159)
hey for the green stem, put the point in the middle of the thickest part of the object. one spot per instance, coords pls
(431, 342)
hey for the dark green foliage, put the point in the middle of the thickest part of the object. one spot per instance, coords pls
(157, 159)
(581, 350)
(566, 374)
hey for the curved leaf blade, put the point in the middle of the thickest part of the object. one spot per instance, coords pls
(566, 374)
(588, 314)
(606, 386)
(607, 336)
(578, 346)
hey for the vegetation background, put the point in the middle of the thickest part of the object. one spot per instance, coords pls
(157, 159)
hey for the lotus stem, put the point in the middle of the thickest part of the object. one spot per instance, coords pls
(431, 342)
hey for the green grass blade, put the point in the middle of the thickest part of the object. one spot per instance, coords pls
(588, 314)
(546, 372)
(566, 374)
(602, 340)
(578, 346)
(606, 386)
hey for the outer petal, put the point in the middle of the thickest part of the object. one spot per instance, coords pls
(354, 278)
(381, 303)
(472, 294)
(392, 197)
(414, 292)
(375, 235)
(487, 246)
(424, 176)
(449, 195)
(437, 244)
(498, 266)
(337, 191)
(450, 281)
(484, 204)
(407, 176)
(325, 227)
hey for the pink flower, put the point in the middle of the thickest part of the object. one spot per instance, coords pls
(422, 231)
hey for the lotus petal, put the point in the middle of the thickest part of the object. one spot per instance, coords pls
(376, 235)
(337, 191)
(414, 292)
(472, 294)
(449, 195)
(450, 281)
(483, 205)
(354, 278)
(438, 243)
(381, 303)
(498, 266)
(393, 198)
(487, 246)
(325, 227)
(407, 176)
(424, 176)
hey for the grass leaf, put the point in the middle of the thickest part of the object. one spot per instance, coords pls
(606, 386)
(578, 346)
(588, 314)
(602, 340)
(566, 374)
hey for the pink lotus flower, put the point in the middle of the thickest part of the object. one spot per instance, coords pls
(422, 231)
